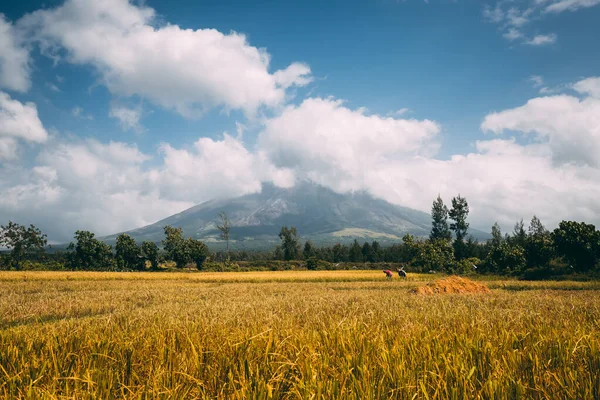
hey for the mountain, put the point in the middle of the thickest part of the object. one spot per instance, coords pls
(318, 213)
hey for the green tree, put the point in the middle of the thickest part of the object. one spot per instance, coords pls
(289, 243)
(497, 238)
(460, 226)
(339, 253)
(175, 247)
(505, 259)
(578, 243)
(538, 246)
(150, 253)
(127, 253)
(355, 253)
(439, 221)
(21, 241)
(367, 252)
(519, 235)
(197, 251)
(225, 227)
(375, 252)
(437, 255)
(309, 251)
(89, 253)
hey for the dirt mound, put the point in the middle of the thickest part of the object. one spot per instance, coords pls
(452, 284)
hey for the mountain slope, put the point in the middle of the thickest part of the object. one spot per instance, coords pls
(318, 213)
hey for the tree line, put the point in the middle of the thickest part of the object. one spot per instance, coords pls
(573, 247)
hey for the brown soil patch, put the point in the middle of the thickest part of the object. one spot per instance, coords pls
(452, 284)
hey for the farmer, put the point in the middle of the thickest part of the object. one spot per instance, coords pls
(388, 273)
(401, 272)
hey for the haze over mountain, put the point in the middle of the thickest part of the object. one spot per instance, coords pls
(318, 213)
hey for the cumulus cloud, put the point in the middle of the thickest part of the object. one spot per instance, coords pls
(129, 118)
(325, 141)
(570, 125)
(18, 121)
(186, 70)
(14, 59)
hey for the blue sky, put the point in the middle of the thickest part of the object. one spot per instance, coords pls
(468, 67)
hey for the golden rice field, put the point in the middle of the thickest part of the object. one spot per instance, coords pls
(293, 335)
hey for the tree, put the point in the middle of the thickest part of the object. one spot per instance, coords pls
(289, 243)
(309, 251)
(339, 253)
(150, 253)
(538, 245)
(89, 253)
(225, 228)
(174, 245)
(496, 235)
(21, 241)
(197, 251)
(367, 252)
(437, 255)
(460, 226)
(375, 255)
(519, 235)
(439, 221)
(505, 258)
(355, 253)
(127, 252)
(578, 243)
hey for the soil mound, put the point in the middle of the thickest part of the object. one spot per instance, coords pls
(452, 284)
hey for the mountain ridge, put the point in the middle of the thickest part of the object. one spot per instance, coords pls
(319, 214)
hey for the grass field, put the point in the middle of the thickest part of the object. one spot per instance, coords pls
(293, 334)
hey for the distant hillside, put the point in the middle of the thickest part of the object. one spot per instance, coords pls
(318, 213)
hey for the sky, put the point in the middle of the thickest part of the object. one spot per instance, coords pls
(116, 114)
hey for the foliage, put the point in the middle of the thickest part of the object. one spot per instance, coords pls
(578, 243)
(460, 226)
(174, 245)
(439, 221)
(435, 255)
(184, 251)
(355, 253)
(505, 259)
(289, 243)
(89, 253)
(127, 253)
(21, 241)
(309, 250)
(196, 251)
(150, 253)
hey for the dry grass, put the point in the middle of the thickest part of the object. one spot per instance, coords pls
(452, 284)
(297, 335)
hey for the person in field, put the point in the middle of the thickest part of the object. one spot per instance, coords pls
(388, 273)
(401, 272)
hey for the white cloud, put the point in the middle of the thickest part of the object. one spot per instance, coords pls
(515, 18)
(558, 6)
(18, 121)
(536, 80)
(589, 86)
(541, 40)
(324, 141)
(14, 59)
(571, 126)
(182, 69)
(513, 34)
(129, 118)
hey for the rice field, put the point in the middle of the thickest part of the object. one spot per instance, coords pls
(293, 335)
